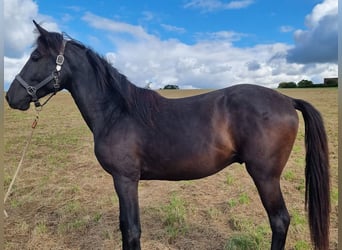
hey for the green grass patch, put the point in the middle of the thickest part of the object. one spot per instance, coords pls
(244, 198)
(175, 217)
(297, 148)
(73, 207)
(15, 203)
(232, 203)
(74, 225)
(334, 195)
(298, 219)
(7, 180)
(41, 228)
(289, 175)
(301, 245)
(248, 235)
(213, 213)
(229, 179)
(243, 241)
(114, 199)
(97, 216)
(300, 161)
(300, 186)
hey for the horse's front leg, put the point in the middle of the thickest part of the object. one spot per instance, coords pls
(127, 191)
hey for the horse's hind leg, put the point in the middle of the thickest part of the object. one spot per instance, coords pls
(270, 193)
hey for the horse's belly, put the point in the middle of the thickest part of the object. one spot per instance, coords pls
(187, 169)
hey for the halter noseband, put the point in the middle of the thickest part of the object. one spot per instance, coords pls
(32, 90)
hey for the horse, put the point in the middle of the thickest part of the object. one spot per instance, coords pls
(140, 135)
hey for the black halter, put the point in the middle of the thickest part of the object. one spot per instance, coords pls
(32, 90)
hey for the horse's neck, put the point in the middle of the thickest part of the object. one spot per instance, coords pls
(94, 102)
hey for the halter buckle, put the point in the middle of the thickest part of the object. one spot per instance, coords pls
(60, 60)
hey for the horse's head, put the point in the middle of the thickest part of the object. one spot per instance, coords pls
(45, 72)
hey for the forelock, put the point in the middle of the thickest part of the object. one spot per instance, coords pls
(49, 43)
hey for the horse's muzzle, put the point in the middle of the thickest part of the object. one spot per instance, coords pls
(21, 106)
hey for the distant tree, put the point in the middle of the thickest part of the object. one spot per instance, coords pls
(169, 86)
(284, 85)
(305, 84)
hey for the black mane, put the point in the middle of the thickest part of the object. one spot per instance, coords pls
(138, 102)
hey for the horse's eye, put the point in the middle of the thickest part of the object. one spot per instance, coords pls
(35, 55)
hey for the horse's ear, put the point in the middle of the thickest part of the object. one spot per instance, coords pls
(40, 29)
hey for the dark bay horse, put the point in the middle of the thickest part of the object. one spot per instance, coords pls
(140, 135)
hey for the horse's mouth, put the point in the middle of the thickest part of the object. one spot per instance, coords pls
(23, 106)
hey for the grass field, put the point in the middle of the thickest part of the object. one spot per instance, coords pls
(63, 199)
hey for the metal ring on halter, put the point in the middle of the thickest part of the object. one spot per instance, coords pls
(31, 90)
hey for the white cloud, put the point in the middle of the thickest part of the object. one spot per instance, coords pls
(172, 28)
(67, 17)
(148, 15)
(238, 4)
(18, 34)
(317, 44)
(74, 8)
(286, 29)
(253, 65)
(214, 5)
(117, 27)
(320, 11)
(12, 67)
(210, 63)
(227, 36)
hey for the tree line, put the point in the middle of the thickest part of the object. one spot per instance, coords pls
(308, 84)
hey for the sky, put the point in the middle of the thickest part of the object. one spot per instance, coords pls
(191, 43)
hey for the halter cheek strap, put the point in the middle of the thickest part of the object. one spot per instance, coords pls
(32, 90)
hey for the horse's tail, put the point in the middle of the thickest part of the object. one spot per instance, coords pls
(317, 183)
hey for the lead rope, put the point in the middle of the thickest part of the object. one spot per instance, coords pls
(33, 126)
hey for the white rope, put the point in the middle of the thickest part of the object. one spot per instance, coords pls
(34, 124)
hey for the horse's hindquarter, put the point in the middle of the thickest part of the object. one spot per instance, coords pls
(264, 124)
(190, 140)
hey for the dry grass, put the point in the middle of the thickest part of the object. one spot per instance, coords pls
(63, 199)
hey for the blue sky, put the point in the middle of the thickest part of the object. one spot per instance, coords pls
(256, 22)
(192, 43)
